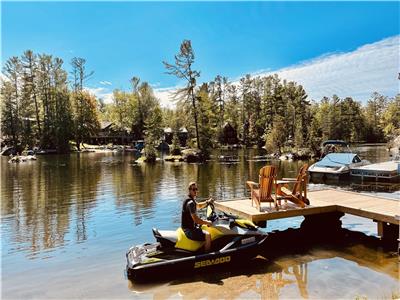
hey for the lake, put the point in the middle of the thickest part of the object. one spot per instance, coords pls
(67, 222)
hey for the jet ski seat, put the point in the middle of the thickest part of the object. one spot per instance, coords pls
(168, 238)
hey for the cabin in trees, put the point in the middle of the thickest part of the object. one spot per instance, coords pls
(229, 135)
(182, 133)
(109, 135)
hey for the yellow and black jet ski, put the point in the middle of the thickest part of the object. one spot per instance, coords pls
(234, 240)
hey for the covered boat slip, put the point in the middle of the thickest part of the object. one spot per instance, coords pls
(385, 170)
(385, 212)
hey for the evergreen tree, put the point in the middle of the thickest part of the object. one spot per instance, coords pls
(183, 69)
(275, 140)
(8, 112)
(208, 119)
(374, 110)
(315, 133)
(29, 63)
(391, 118)
(86, 119)
(12, 98)
(63, 122)
(246, 100)
(232, 107)
(153, 133)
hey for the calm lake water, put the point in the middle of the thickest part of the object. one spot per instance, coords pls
(67, 221)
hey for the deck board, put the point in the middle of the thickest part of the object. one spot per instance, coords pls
(329, 200)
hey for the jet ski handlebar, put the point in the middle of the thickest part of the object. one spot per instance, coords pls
(213, 216)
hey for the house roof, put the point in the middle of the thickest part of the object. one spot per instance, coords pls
(105, 124)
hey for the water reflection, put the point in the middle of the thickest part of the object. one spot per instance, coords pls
(39, 201)
(80, 213)
(313, 273)
(265, 281)
(44, 201)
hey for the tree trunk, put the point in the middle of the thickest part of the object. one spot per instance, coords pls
(13, 126)
(195, 119)
(37, 113)
(35, 97)
(15, 117)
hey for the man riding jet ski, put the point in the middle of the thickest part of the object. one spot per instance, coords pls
(233, 240)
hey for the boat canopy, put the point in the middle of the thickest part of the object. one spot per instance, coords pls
(338, 160)
(335, 142)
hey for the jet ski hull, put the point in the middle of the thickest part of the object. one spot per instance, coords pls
(182, 263)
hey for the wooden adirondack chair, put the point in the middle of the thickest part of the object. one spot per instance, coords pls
(262, 191)
(298, 194)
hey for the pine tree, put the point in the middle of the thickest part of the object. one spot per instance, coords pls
(86, 119)
(183, 69)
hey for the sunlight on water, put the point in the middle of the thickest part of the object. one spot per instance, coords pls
(67, 221)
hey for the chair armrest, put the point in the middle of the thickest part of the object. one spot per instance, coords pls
(252, 184)
(289, 179)
(282, 182)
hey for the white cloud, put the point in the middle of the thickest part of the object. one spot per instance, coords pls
(166, 96)
(101, 93)
(370, 68)
(3, 77)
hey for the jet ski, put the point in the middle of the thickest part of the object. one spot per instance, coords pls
(234, 240)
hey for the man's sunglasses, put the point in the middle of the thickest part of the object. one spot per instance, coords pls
(194, 189)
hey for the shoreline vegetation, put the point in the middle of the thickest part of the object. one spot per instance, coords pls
(45, 107)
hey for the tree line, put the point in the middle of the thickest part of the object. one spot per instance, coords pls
(275, 113)
(43, 106)
(39, 108)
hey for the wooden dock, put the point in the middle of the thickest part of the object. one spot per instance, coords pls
(381, 210)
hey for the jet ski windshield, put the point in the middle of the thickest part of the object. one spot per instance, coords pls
(211, 214)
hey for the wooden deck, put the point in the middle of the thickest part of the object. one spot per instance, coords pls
(381, 210)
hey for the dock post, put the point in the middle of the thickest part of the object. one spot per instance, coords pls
(388, 232)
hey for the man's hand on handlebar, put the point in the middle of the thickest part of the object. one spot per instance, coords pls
(210, 201)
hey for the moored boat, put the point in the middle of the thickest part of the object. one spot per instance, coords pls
(337, 161)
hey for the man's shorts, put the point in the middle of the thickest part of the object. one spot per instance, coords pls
(196, 234)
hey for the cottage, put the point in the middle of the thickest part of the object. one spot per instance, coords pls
(182, 136)
(168, 135)
(108, 134)
(229, 135)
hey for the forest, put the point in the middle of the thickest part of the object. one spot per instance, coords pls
(45, 106)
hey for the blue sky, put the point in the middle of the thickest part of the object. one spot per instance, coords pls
(124, 39)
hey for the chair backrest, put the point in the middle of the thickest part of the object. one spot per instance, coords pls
(301, 178)
(266, 181)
